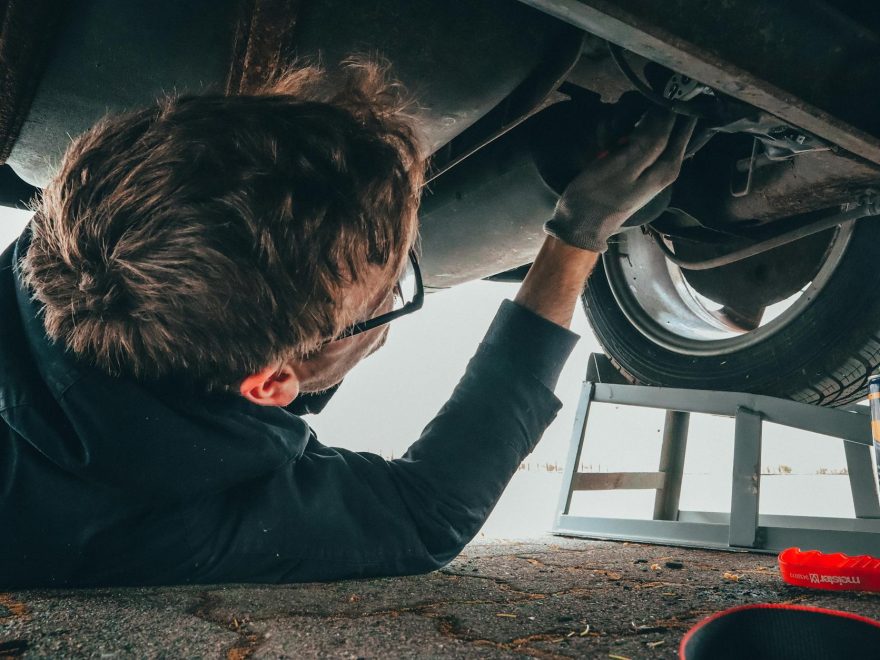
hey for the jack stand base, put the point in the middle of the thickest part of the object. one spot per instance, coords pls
(743, 528)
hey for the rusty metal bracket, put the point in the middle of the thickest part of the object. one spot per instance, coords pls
(263, 35)
(801, 60)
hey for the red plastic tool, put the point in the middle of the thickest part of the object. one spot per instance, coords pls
(837, 572)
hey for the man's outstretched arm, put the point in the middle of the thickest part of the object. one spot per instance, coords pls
(334, 513)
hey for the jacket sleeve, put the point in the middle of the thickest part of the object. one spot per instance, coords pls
(334, 513)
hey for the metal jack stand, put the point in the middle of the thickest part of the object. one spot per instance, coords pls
(743, 528)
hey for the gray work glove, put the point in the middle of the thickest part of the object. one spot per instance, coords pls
(600, 199)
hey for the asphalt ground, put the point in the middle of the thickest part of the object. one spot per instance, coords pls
(548, 598)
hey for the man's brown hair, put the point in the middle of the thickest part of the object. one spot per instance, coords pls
(208, 237)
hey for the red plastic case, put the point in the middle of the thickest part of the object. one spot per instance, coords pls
(837, 572)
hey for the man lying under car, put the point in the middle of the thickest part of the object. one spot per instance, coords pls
(196, 270)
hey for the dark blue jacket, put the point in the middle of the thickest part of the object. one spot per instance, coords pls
(107, 481)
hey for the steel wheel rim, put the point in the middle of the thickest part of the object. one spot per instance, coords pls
(653, 295)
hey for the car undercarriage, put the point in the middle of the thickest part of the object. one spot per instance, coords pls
(753, 272)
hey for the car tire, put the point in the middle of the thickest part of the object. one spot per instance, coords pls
(823, 356)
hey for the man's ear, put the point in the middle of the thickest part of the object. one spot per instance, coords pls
(271, 386)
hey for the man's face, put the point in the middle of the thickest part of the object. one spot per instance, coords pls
(371, 296)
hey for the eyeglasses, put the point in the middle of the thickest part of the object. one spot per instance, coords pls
(409, 295)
